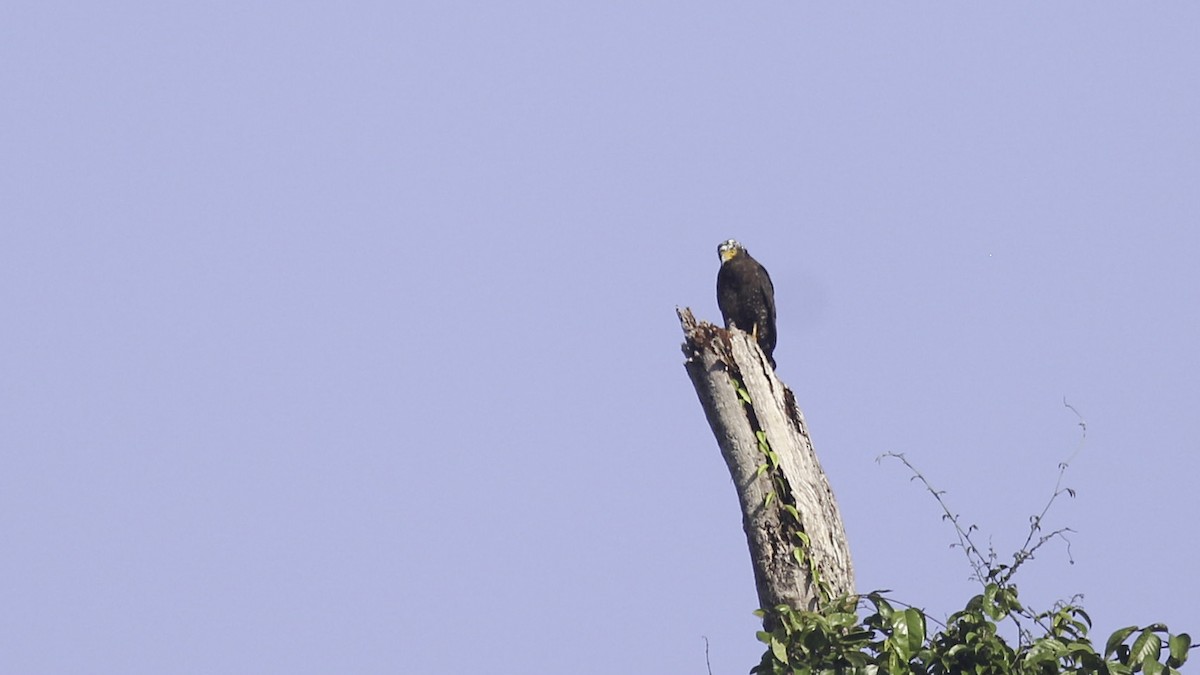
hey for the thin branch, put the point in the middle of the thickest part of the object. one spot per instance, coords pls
(974, 557)
(985, 568)
(1035, 522)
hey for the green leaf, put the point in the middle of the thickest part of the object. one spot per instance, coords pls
(798, 555)
(1179, 646)
(762, 439)
(1008, 600)
(816, 641)
(989, 602)
(856, 659)
(1116, 639)
(882, 606)
(1000, 601)
(858, 635)
(1090, 660)
(843, 619)
(1080, 648)
(779, 650)
(1080, 613)
(1039, 652)
(1146, 648)
(908, 632)
(744, 395)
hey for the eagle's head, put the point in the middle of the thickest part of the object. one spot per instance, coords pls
(729, 248)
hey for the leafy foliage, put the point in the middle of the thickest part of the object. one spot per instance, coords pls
(896, 640)
(891, 638)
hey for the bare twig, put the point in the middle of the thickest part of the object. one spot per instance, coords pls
(1035, 522)
(985, 567)
(979, 564)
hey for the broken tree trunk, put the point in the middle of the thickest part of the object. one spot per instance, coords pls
(792, 523)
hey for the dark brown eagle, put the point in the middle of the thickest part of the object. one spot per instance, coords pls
(746, 296)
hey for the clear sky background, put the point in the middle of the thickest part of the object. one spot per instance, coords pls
(341, 337)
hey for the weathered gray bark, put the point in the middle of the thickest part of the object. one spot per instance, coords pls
(715, 357)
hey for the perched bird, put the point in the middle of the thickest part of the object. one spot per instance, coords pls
(746, 296)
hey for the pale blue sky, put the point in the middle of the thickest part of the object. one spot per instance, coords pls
(341, 338)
